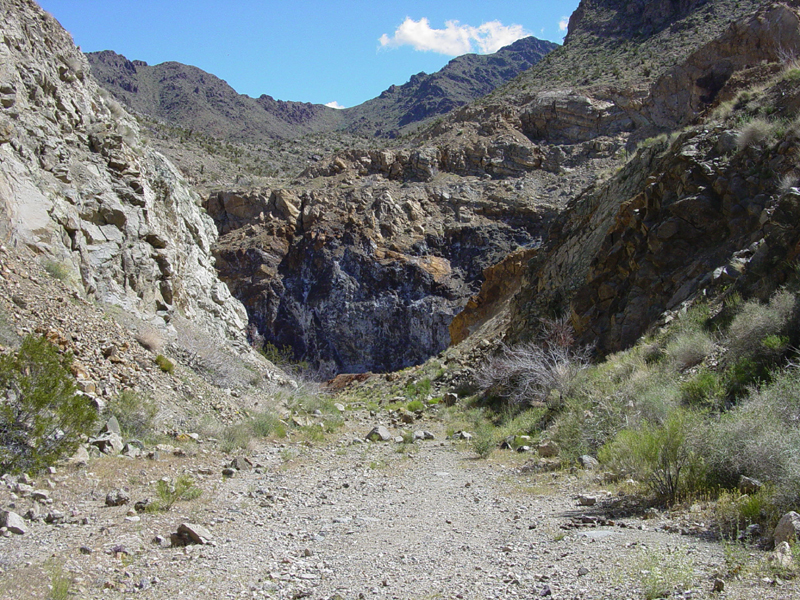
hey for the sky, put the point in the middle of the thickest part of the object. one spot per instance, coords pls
(322, 51)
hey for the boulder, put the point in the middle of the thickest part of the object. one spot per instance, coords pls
(788, 529)
(117, 498)
(589, 463)
(548, 449)
(13, 522)
(379, 434)
(191, 533)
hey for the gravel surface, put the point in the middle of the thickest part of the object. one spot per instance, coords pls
(349, 520)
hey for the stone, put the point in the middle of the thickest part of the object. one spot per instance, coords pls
(117, 497)
(718, 587)
(191, 533)
(81, 456)
(240, 463)
(112, 426)
(40, 496)
(584, 500)
(450, 399)
(423, 435)
(548, 449)
(589, 463)
(788, 529)
(108, 443)
(141, 505)
(379, 434)
(13, 522)
(748, 485)
(229, 472)
(781, 557)
(583, 571)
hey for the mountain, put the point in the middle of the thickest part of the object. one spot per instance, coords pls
(196, 100)
(193, 99)
(462, 80)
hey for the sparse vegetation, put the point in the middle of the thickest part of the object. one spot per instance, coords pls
(41, 416)
(169, 491)
(165, 364)
(136, 415)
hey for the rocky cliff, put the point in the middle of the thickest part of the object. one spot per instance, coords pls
(80, 188)
(694, 214)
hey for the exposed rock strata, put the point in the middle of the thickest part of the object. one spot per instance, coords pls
(79, 187)
(368, 276)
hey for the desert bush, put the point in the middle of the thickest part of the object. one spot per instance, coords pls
(165, 364)
(659, 455)
(484, 440)
(136, 415)
(240, 436)
(57, 270)
(752, 329)
(760, 438)
(688, 349)
(532, 371)
(171, 491)
(754, 133)
(41, 416)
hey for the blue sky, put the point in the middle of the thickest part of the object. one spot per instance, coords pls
(307, 50)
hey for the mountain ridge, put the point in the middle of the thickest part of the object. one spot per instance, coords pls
(192, 98)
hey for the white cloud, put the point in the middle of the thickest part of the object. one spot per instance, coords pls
(455, 38)
(335, 104)
(563, 23)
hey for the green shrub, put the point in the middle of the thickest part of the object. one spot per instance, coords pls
(660, 456)
(136, 415)
(169, 492)
(41, 416)
(704, 390)
(415, 405)
(266, 424)
(165, 364)
(418, 389)
(484, 440)
(757, 330)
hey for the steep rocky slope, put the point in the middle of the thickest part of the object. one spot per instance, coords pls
(688, 214)
(547, 148)
(80, 189)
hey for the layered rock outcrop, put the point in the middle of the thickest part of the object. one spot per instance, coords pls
(710, 209)
(80, 187)
(367, 276)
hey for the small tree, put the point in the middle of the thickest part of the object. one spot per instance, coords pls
(41, 416)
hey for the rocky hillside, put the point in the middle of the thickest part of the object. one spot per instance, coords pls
(518, 156)
(81, 190)
(195, 100)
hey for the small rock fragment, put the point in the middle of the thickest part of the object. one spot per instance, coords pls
(117, 498)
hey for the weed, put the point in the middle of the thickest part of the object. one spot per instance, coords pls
(170, 492)
(663, 572)
(57, 270)
(60, 582)
(484, 441)
(136, 415)
(165, 364)
(415, 405)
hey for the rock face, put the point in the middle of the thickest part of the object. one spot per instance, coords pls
(682, 216)
(367, 276)
(80, 188)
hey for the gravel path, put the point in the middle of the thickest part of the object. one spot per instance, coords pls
(351, 521)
